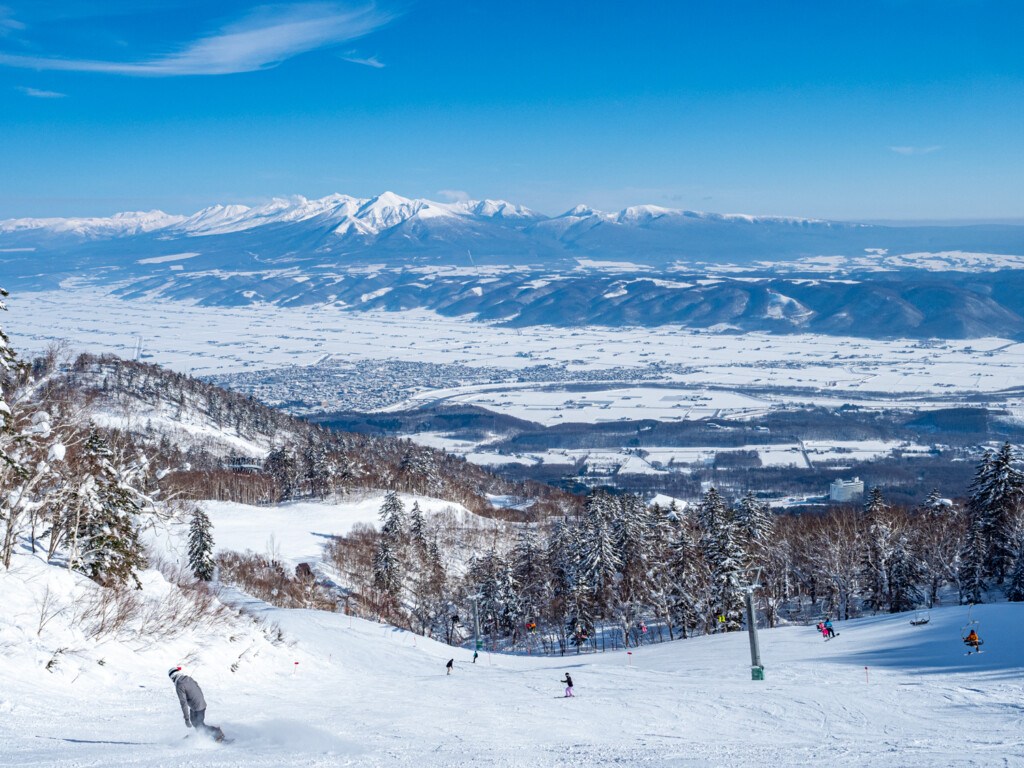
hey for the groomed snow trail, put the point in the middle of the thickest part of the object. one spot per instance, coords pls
(369, 695)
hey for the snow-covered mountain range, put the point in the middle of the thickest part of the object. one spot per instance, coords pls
(499, 261)
(389, 225)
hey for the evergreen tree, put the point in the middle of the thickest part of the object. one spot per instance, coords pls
(755, 521)
(107, 548)
(877, 552)
(417, 526)
(200, 545)
(388, 562)
(1015, 583)
(562, 560)
(726, 561)
(529, 572)
(634, 543)
(497, 602)
(599, 560)
(905, 576)
(972, 562)
(690, 599)
(1002, 493)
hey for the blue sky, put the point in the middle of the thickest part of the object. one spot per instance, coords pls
(901, 109)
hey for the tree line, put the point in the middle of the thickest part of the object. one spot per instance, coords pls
(621, 566)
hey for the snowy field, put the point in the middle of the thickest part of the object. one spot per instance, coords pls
(809, 369)
(295, 532)
(363, 694)
(713, 375)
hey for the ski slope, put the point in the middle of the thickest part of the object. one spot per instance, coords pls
(368, 695)
(343, 691)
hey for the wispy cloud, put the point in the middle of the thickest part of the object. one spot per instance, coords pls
(8, 23)
(263, 39)
(38, 93)
(366, 61)
(915, 150)
(453, 195)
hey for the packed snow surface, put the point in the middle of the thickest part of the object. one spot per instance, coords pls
(343, 691)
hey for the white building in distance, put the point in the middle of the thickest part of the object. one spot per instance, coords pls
(846, 490)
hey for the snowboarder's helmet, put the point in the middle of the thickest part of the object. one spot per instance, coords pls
(173, 671)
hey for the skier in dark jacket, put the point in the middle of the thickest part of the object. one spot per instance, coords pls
(193, 705)
(568, 684)
(449, 665)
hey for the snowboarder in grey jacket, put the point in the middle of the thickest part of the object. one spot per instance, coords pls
(193, 705)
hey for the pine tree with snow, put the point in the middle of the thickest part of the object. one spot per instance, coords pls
(417, 526)
(107, 545)
(1002, 494)
(389, 560)
(200, 545)
(972, 562)
(1015, 583)
(392, 516)
(690, 588)
(877, 552)
(562, 560)
(755, 521)
(905, 577)
(722, 551)
(599, 559)
(529, 572)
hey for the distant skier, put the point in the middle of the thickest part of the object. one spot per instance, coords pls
(193, 705)
(449, 665)
(475, 654)
(829, 631)
(823, 630)
(973, 641)
(568, 685)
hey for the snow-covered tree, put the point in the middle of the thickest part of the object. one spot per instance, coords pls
(599, 558)
(388, 563)
(200, 545)
(635, 534)
(726, 561)
(972, 562)
(106, 544)
(529, 572)
(905, 577)
(417, 526)
(755, 522)
(1015, 583)
(878, 545)
(497, 600)
(995, 501)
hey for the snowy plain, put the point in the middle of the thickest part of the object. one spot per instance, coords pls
(344, 691)
(788, 368)
(696, 374)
